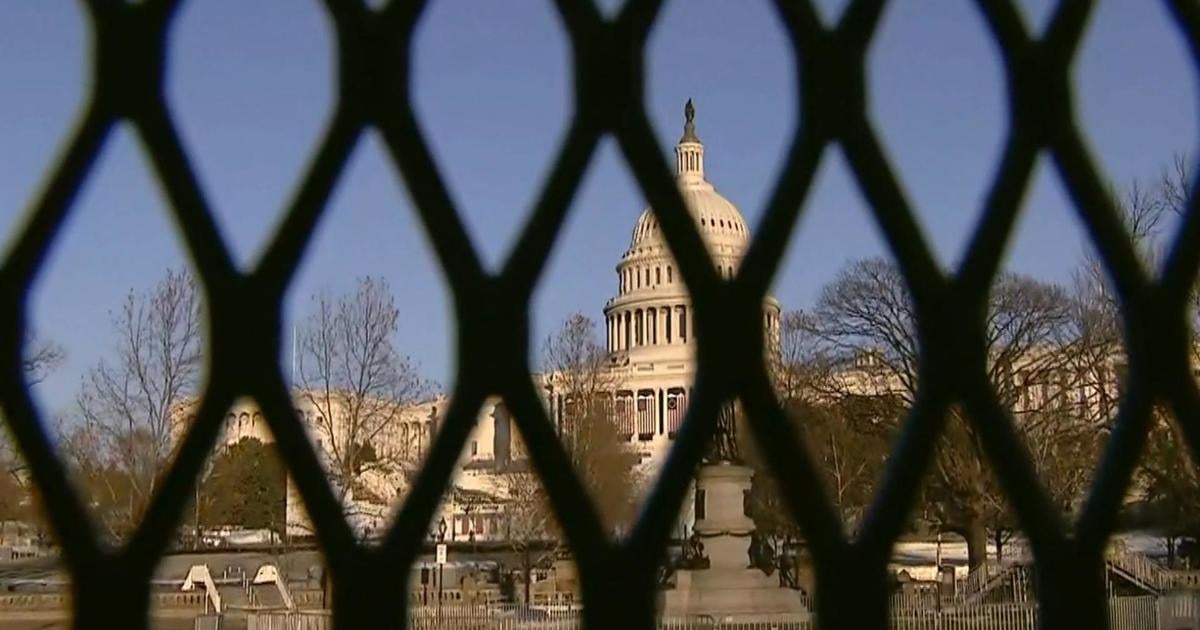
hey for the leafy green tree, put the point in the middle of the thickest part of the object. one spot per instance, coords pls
(1172, 484)
(246, 488)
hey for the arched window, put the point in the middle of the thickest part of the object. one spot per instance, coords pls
(683, 328)
(658, 275)
(639, 279)
(670, 278)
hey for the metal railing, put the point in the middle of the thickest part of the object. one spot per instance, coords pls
(1139, 569)
(373, 46)
(1146, 612)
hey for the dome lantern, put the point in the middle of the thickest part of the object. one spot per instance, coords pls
(689, 153)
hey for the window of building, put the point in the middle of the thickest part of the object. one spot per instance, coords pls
(646, 418)
(658, 275)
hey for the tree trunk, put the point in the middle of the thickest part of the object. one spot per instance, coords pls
(976, 534)
(528, 579)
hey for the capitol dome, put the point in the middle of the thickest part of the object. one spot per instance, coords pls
(722, 227)
(649, 322)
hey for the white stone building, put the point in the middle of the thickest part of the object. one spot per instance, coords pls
(651, 346)
(650, 334)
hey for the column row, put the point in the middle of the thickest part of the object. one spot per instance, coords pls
(650, 326)
(636, 277)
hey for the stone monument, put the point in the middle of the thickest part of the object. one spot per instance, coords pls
(718, 579)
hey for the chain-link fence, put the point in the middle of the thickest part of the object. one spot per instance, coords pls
(374, 56)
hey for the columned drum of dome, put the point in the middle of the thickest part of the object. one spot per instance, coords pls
(651, 343)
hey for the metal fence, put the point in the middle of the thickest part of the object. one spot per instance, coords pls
(294, 620)
(373, 48)
(1145, 612)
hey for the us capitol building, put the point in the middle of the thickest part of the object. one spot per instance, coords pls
(651, 339)
(651, 347)
(649, 336)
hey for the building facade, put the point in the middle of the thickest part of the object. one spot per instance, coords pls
(648, 323)
(650, 341)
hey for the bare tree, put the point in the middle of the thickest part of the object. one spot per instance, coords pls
(96, 471)
(42, 356)
(1167, 473)
(842, 430)
(355, 387)
(576, 370)
(530, 528)
(803, 369)
(866, 320)
(132, 405)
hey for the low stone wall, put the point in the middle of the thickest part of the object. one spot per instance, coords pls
(35, 601)
(178, 600)
(62, 601)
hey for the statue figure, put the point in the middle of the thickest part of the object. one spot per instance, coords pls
(762, 555)
(689, 123)
(724, 449)
(693, 554)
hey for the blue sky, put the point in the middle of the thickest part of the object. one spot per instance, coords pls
(251, 87)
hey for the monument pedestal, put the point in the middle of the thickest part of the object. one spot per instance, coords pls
(730, 589)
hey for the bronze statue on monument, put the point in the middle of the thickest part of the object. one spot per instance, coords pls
(724, 447)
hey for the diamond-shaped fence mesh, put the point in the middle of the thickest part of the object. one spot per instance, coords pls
(373, 48)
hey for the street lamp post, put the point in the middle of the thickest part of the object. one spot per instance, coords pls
(441, 566)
